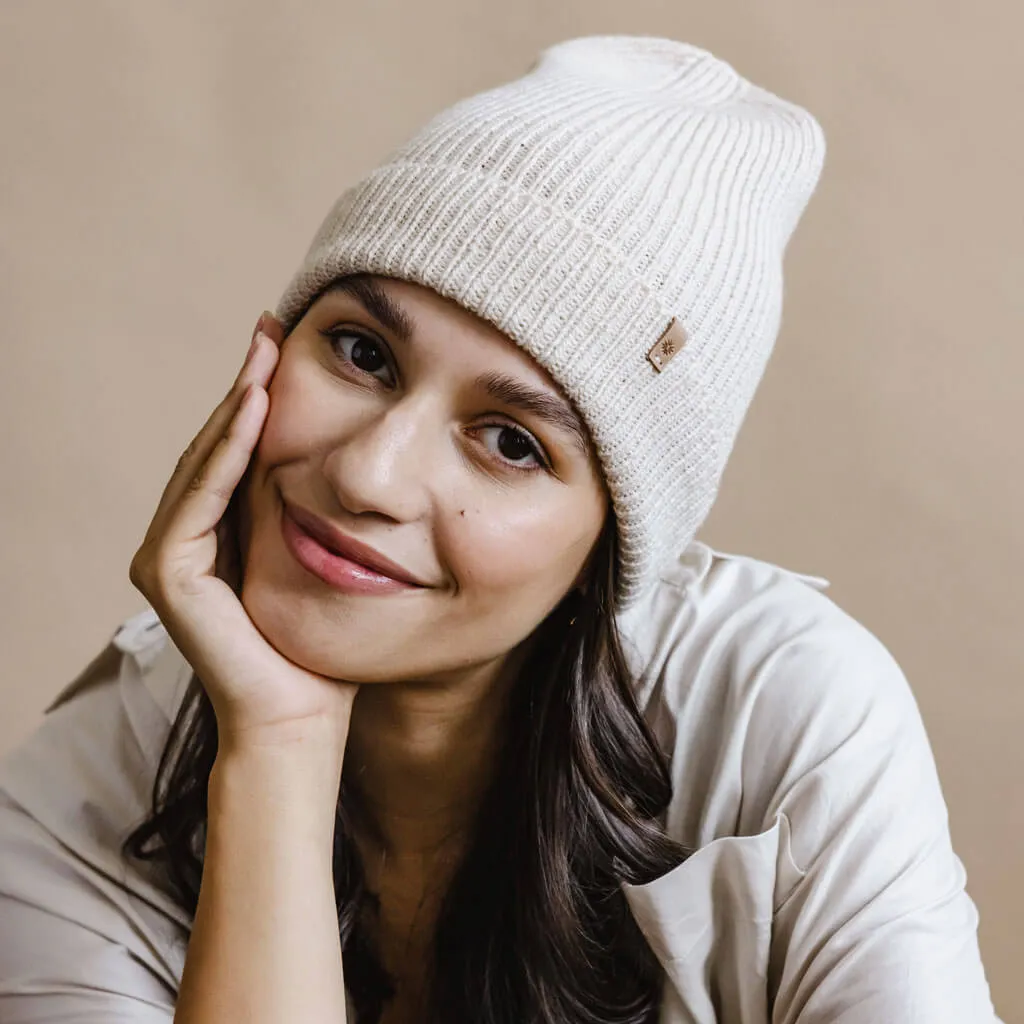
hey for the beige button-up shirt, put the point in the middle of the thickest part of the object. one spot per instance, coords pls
(824, 887)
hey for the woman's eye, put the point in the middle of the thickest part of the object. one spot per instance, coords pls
(513, 445)
(364, 352)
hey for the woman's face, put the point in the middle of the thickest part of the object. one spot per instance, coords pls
(420, 430)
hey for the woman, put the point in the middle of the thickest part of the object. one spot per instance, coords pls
(467, 726)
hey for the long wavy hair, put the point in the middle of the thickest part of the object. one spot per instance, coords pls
(534, 927)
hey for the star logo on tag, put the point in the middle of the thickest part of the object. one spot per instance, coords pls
(672, 340)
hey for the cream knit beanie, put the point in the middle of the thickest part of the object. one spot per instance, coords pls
(621, 213)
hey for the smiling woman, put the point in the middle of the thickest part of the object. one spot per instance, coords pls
(457, 721)
(414, 429)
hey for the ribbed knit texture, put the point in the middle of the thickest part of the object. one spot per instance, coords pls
(622, 182)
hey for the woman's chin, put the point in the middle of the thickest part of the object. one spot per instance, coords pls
(301, 631)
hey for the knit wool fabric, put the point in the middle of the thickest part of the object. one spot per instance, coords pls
(621, 213)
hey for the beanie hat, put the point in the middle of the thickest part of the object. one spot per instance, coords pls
(620, 212)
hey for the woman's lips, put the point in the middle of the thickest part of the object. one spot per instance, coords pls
(337, 571)
(340, 543)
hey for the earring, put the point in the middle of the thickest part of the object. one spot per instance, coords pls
(577, 596)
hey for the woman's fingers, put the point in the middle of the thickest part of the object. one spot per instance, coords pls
(181, 545)
(271, 327)
(228, 565)
(259, 363)
(207, 494)
(195, 497)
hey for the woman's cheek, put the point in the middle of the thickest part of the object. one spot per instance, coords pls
(278, 440)
(500, 547)
(273, 439)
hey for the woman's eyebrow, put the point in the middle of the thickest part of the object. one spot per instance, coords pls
(541, 404)
(376, 301)
(507, 390)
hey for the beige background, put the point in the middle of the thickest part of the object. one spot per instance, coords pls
(163, 166)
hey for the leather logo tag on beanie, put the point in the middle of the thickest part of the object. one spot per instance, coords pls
(672, 339)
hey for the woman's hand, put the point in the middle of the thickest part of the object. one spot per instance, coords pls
(187, 568)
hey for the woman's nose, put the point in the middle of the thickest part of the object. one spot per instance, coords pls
(383, 466)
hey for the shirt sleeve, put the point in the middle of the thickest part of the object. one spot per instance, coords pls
(878, 926)
(86, 935)
(60, 962)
